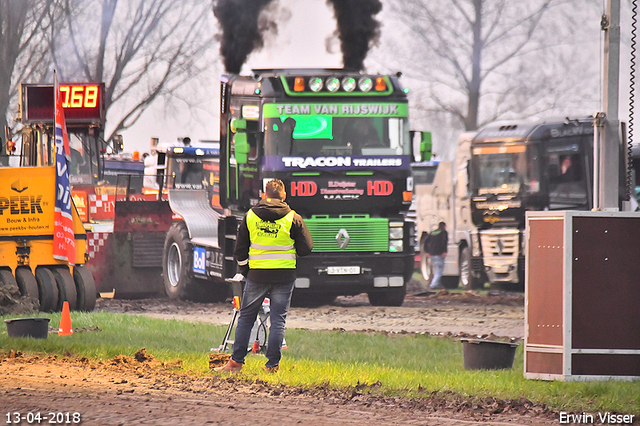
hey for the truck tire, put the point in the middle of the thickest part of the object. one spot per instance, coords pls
(47, 289)
(27, 283)
(176, 260)
(467, 280)
(85, 288)
(390, 297)
(66, 288)
(425, 264)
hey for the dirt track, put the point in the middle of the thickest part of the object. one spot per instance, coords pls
(501, 314)
(126, 391)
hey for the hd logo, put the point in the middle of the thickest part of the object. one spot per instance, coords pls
(199, 261)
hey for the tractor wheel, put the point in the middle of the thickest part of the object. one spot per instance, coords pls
(176, 262)
(47, 289)
(27, 283)
(66, 288)
(7, 279)
(85, 288)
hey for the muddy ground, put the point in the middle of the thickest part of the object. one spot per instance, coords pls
(142, 391)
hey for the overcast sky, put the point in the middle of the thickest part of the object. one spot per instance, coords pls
(300, 43)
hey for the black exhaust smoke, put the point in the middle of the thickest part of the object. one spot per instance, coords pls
(357, 29)
(242, 30)
(244, 25)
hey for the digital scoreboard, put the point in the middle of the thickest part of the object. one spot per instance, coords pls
(82, 102)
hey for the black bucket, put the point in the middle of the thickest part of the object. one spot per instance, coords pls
(487, 354)
(38, 328)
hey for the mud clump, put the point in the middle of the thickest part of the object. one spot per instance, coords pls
(12, 303)
(218, 360)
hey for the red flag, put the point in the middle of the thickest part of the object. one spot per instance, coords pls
(64, 247)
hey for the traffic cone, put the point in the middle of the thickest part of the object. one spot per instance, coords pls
(65, 321)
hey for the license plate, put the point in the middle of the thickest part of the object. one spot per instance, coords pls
(343, 270)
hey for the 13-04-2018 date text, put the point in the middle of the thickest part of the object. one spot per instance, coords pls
(37, 417)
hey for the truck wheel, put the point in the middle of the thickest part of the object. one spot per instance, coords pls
(390, 297)
(27, 283)
(176, 261)
(48, 289)
(467, 280)
(425, 264)
(85, 288)
(66, 288)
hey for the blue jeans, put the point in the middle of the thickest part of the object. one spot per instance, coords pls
(252, 297)
(438, 268)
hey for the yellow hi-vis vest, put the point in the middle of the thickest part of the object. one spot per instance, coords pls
(271, 243)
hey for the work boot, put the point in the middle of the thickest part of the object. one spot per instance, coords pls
(229, 367)
(271, 370)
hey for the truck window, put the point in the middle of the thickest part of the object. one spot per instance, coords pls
(328, 135)
(567, 175)
(502, 170)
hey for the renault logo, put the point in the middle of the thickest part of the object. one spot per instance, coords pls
(342, 238)
(500, 246)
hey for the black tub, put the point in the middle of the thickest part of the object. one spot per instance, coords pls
(487, 355)
(37, 328)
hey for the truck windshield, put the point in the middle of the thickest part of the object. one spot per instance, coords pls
(328, 135)
(505, 169)
(185, 173)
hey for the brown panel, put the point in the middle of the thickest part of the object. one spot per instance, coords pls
(544, 269)
(605, 365)
(544, 363)
(606, 283)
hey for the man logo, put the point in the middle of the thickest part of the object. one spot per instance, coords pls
(342, 238)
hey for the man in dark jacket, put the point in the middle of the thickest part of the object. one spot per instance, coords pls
(437, 250)
(269, 239)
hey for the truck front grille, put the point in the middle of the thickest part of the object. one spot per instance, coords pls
(500, 243)
(362, 232)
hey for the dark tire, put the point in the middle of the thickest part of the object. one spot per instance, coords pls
(176, 260)
(66, 288)
(27, 283)
(7, 279)
(48, 289)
(389, 297)
(85, 288)
(467, 280)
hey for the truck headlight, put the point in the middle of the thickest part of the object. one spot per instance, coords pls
(395, 233)
(396, 246)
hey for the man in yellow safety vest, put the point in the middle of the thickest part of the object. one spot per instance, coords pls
(269, 239)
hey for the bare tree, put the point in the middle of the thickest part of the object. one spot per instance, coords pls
(142, 50)
(22, 52)
(482, 60)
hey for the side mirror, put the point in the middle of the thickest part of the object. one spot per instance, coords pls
(241, 147)
(118, 144)
(238, 124)
(425, 146)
